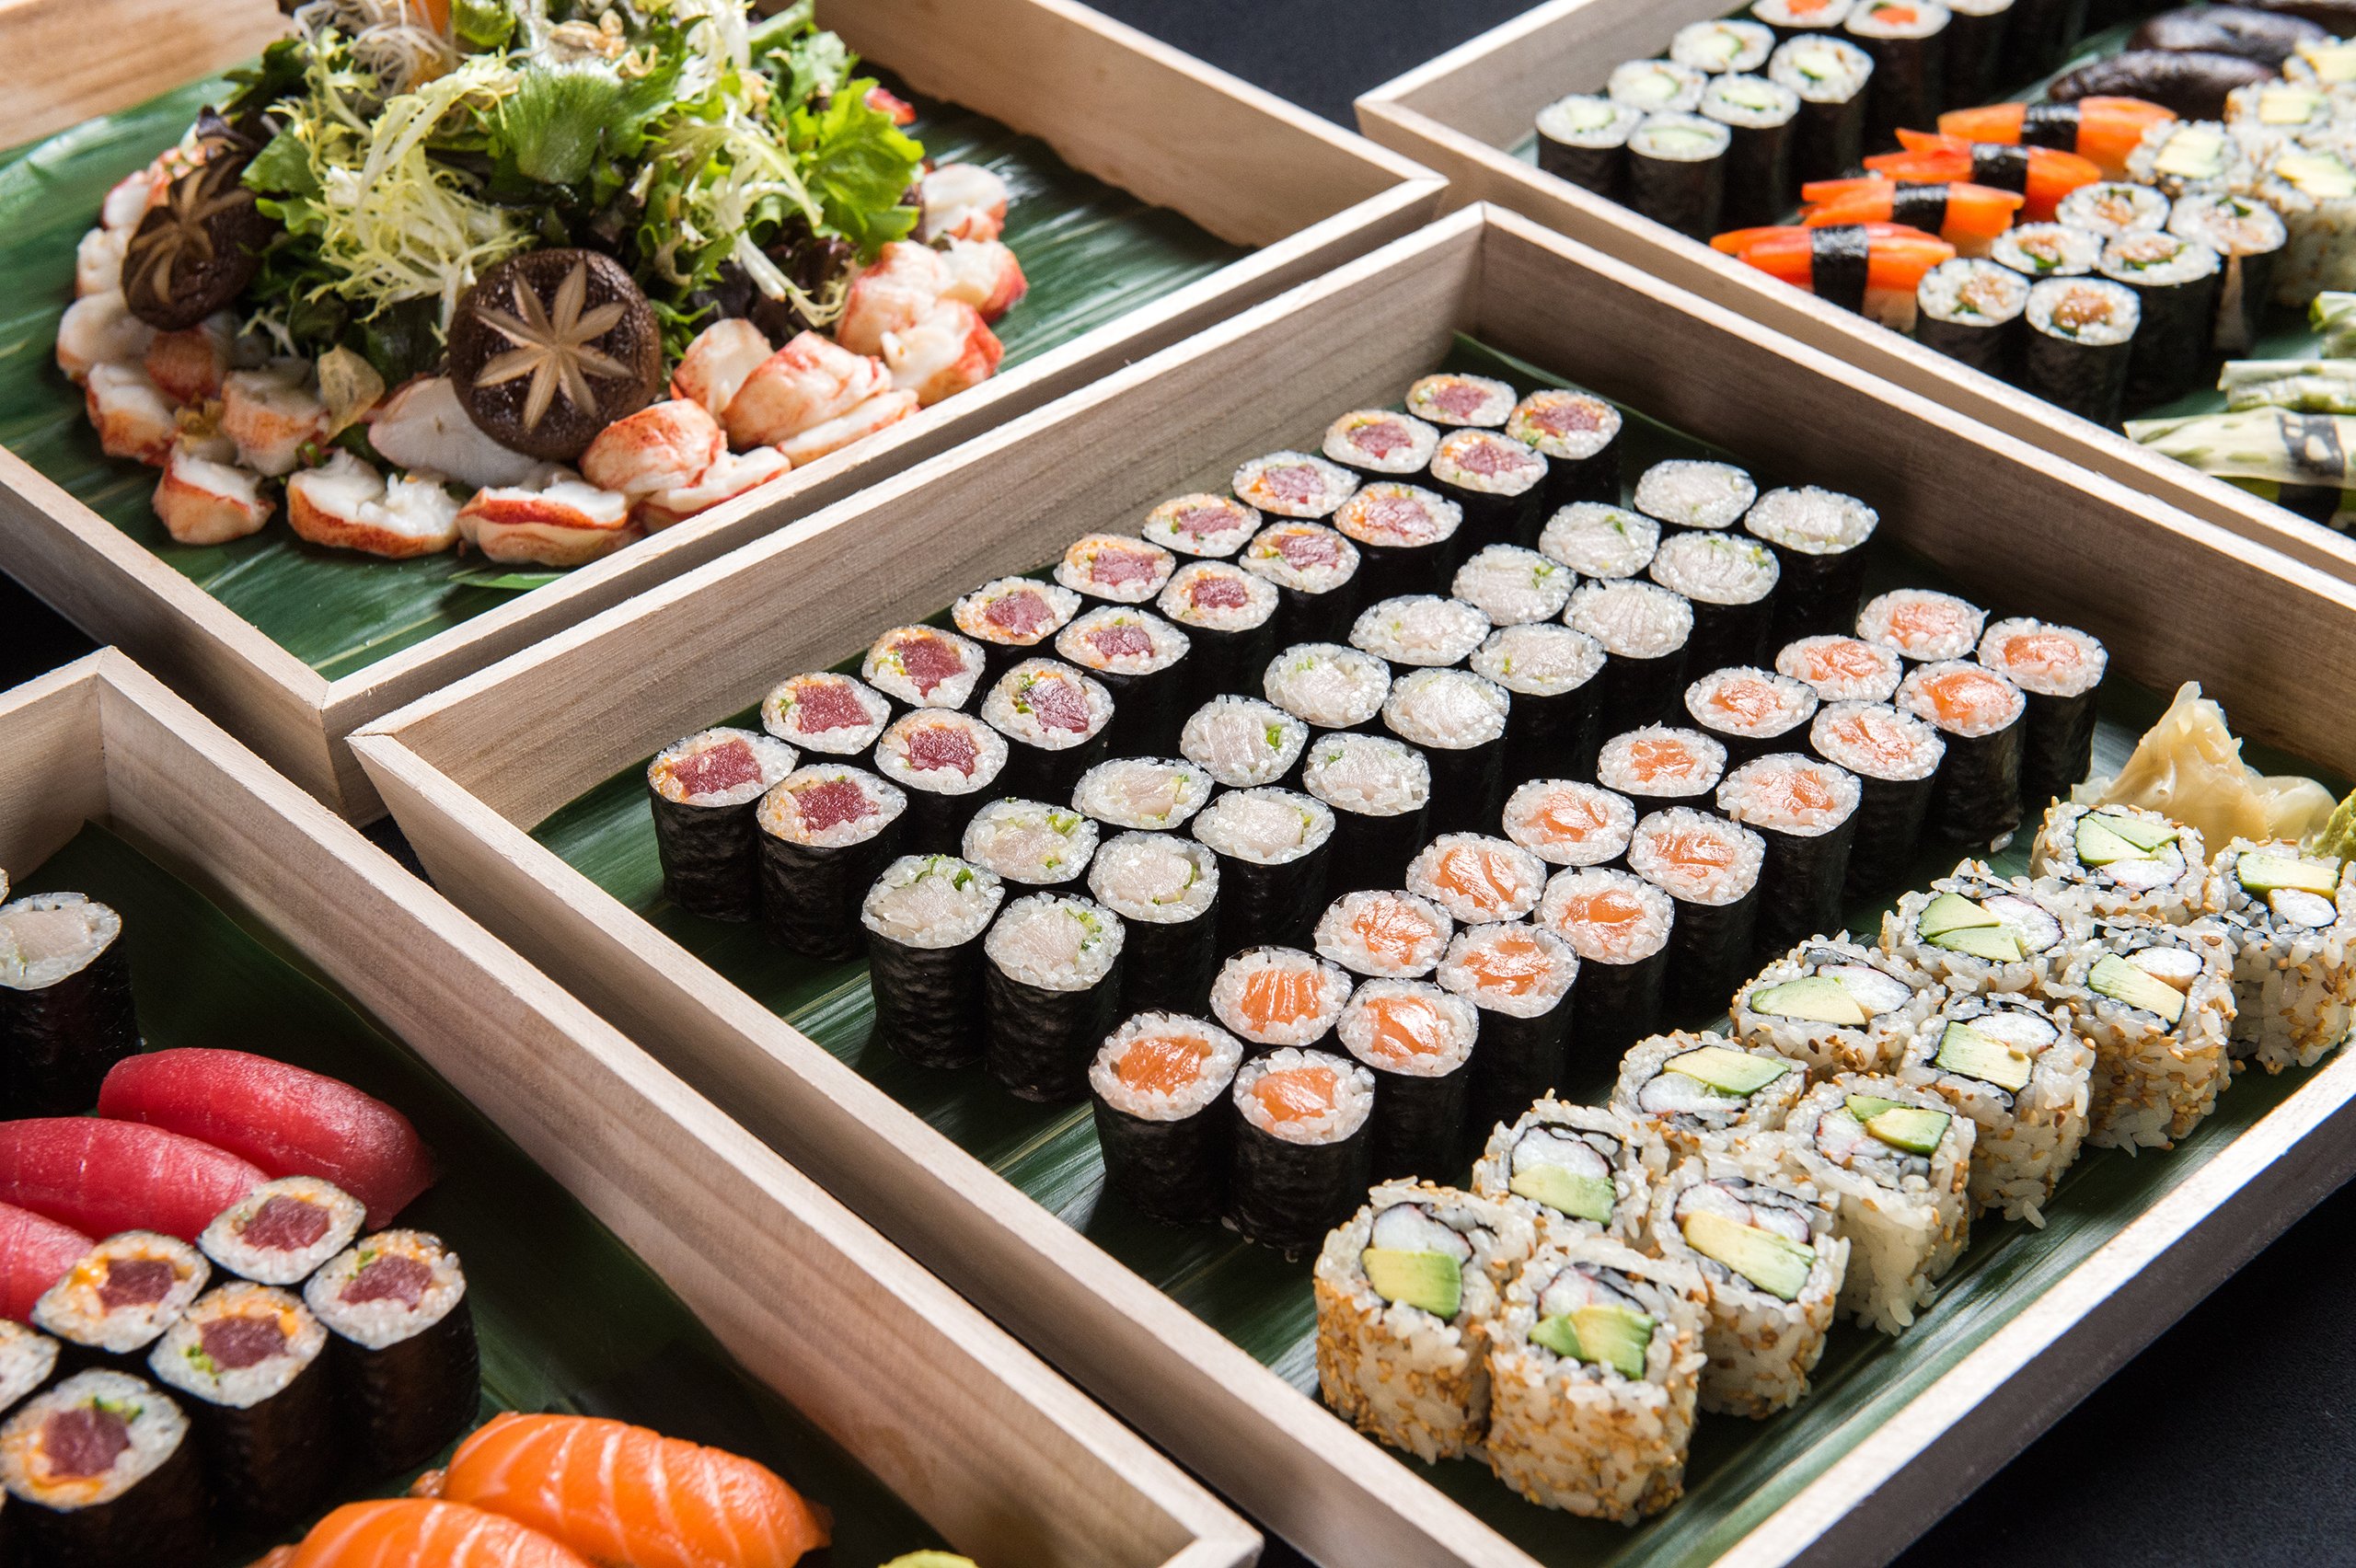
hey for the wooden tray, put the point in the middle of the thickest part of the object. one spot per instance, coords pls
(470, 772)
(874, 1352)
(1249, 169)
(1467, 112)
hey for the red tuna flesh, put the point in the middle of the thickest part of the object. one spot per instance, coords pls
(33, 1254)
(104, 1176)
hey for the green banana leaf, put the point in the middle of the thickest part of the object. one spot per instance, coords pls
(569, 1320)
(1092, 253)
(1740, 1471)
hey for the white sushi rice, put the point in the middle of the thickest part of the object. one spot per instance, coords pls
(1013, 706)
(1692, 493)
(1619, 942)
(1413, 933)
(153, 1427)
(1811, 521)
(1446, 709)
(1590, 1141)
(1220, 1054)
(1367, 774)
(1601, 543)
(1353, 1096)
(2155, 1080)
(1030, 842)
(1513, 587)
(1419, 629)
(1156, 877)
(1680, 1115)
(1477, 877)
(1541, 660)
(2028, 1137)
(1242, 741)
(2294, 966)
(381, 1323)
(1539, 967)
(2166, 883)
(1055, 943)
(1632, 619)
(26, 1358)
(1893, 1000)
(1240, 976)
(1143, 793)
(180, 1359)
(1266, 826)
(74, 1308)
(1327, 685)
(932, 900)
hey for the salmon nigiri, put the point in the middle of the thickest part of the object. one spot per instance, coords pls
(409, 1532)
(1873, 269)
(2103, 129)
(2042, 174)
(1967, 216)
(620, 1494)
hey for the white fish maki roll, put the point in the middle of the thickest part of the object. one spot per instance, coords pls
(1513, 586)
(2120, 861)
(1458, 720)
(1688, 493)
(2018, 1068)
(1030, 842)
(1976, 933)
(1580, 1168)
(2156, 1001)
(1051, 993)
(1166, 889)
(1406, 1289)
(1148, 793)
(1594, 1368)
(1328, 686)
(925, 917)
(1420, 631)
(2290, 918)
(1838, 1006)
(1273, 846)
(1688, 1093)
(1600, 542)
(1379, 790)
(1243, 742)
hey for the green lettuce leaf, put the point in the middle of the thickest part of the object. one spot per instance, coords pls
(858, 165)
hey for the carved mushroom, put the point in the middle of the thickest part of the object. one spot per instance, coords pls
(553, 346)
(198, 248)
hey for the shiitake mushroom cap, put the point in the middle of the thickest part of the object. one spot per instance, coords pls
(550, 347)
(194, 252)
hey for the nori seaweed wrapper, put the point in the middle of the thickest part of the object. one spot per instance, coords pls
(2169, 356)
(1758, 184)
(2040, 38)
(272, 1464)
(709, 864)
(1418, 1124)
(1490, 518)
(1633, 693)
(1392, 571)
(1801, 884)
(1553, 737)
(2058, 751)
(1828, 139)
(160, 1522)
(1908, 89)
(1468, 787)
(1888, 826)
(1975, 49)
(1615, 1005)
(1728, 635)
(1303, 617)
(1840, 262)
(1224, 664)
(1287, 1195)
(403, 1404)
(1039, 1043)
(1976, 795)
(810, 897)
(1147, 711)
(1991, 346)
(1367, 852)
(928, 1001)
(1518, 1060)
(1709, 951)
(1034, 773)
(57, 1043)
(2087, 379)
(1273, 905)
(934, 823)
(1172, 1171)
(1570, 480)
(1816, 595)
(1171, 964)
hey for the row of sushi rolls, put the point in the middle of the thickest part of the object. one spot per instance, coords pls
(1317, 834)
(2100, 246)
(212, 1323)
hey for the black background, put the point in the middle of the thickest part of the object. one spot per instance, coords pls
(2230, 1440)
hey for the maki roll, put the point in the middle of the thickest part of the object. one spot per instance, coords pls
(27, 1361)
(2175, 283)
(1751, 712)
(402, 1348)
(1478, 878)
(101, 1473)
(826, 833)
(1688, 1093)
(1600, 541)
(1977, 31)
(1314, 569)
(1143, 793)
(120, 1297)
(1788, 19)
(1497, 482)
(1513, 587)
(1710, 867)
(1978, 933)
(1722, 47)
(1819, 537)
(1139, 658)
(1055, 719)
(2249, 236)
(1115, 569)
(2038, 251)
(1578, 1164)
(1895, 757)
(1554, 726)
(1380, 792)
(1921, 627)
(1565, 823)
(1417, 1042)
(2081, 332)
(1833, 78)
(1384, 934)
(1419, 631)
(706, 792)
(2290, 917)
(2041, 36)
(1843, 669)
(922, 666)
(1229, 617)
(1406, 537)
(1578, 434)
(1242, 741)
(1519, 978)
(1458, 720)
(1273, 847)
(1050, 993)
(1907, 40)
(1453, 401)
(1013, 618)
(925, 917)
(282, 1231)
(1302, 1136)
(1619, 925)
(2156, 1002)
(1155, 1087)
(1655, 85)
(1659, 767)
(2113, 209)
(943, 761)
(1031, 843)
(1294, 484)
(2015, 1066)
(1212, 527)
(1807, 812)
(2058, 668)
(826, 713)
(1584, 138)
(1166, 889)
(1983, 718)
(1759, 117)
(249, 1362)
(1377, 444)
(66, 1013)
(1687, 494)
(1972, 311)
(1894, 1165)
(2120, 860)
(2190, 157)
(1834, 1005)
(1677, 171)
(1731, 581)
(1277, 997)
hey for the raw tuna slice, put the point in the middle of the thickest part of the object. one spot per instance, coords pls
(33, 1252)
(101, 1177)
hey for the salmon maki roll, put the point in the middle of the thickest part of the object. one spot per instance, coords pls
(2042, 174)
(2103, 129)
(409, 1530)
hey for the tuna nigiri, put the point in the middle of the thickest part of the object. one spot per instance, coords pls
(2043, 175)
(285, 1119)
(33, 1252)
(1869, 267)
(409, 1532)
(620, 1494)
(101, 1177)
(2103, 129)
(1967, 216)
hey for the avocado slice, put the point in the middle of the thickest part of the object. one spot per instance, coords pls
(1566, 1192)
(2099, 845)
(2114, 977)
(2266, 874)
(1728, 1071)
(1609, 1336)
(2149, 837)
(1865, 1107)
(1433, 1281)
(1774, 1263)
(1967, 1051)
(1817, 998)
(1995, 943)
(1910, 1127)
(1953, 912)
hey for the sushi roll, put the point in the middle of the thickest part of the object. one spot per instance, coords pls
(1139, 658)
(282, 1231)
(1031, 843)
(1419, 631)
(1677, 170)
(1594, 1363)
(1055, 719)
(1977, 31)
(2312, 184)
(101, 1473)
(1819, 537)
(1655, 87)
(1301, 1135)
(1406, 537)
(1497, 482)
(1833, 78)
(1578, 1165)
(1280, 996)
(1643, 629)
(944, 762)
(2156, 1002)
(1687, 1092)
(1315, 570)
(120, 1297)
(402, 1350)
(1731, 581)
(2040, 37)
(1788, 19)
(248, 1362)
(1513, 587)
(1295, 485)
(1458, 720)
(1578, 434)
(1384, 934)
(1895, 758)
(1555, 723)
(922, 666)
(1209, 528)
(1722, 47)
(1013, 618)
(1600, 542)
(1115, 568)
(1229, 617)
(2120, 861)
(1567, 824)
(2180, 159)
(1751, 712)
(1243, 743)
(1843, 669)
(706, 792)
(2290, 917)
(27, 1359)
(1893, 1163)
(1051, 993)
(1379, 790)
(826, 833)
(2015, 1067)
(1417, 1042)
(1166, 890)
(1619, 925)
(1763, 1241)
(925, 917)
(1406, 1291)
(2113, 209)
(1760, 116)
(1478, 878)
(2081, 332)
(1519, 979)
(830, 714)
(1379, 444)
(1583, 138)
(1806, 811)
(1837, 1005)
(1687, 495)
(2058, 668)
(1710, 867)
(2038, 251)
(1659, 767)
(1453, 401)
(1972, 311)
(66, 1014)
(1907, 42)
(1155, 1089)
(1978, 933)
(1146, 793)
(1920, 626)
(1273, 847)
(2175, 283)
(2251, 237)
(1976, 797)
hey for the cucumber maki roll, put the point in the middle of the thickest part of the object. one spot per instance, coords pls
(1384, 934)
(1243, 743)
(922, 666)
(1554, 725)
(2251, 237)
(249, 1363)
(1978, 933)
(1832, 77)
(1836, 1006)
(1478, 878)
(2082, 333)
(1115, 569)
(1301, 1145)
(1920, 626)
(1273, 847)
(101, 1473)
(1976, 797)
(1788, 19)
(1378, 443)
(1583, 138)
(2156, 1002)
(2059, 669)
(1751, 712)
(1147, 794)
(2038, 251)
(1710, 867)
(1139, 658)
(1843, 669)
(1230, 617)
(1972, 310)
(1977, 33)
(1619, 925)
(1578, 1166)
(283, 1230)
(1155, 1089)
(1499, 482)
(825, 713)
(1760, 116)
(1419, 631)
(1012, 619)
(1688, 1093)
(1051, 993)
(1688, 495)
(1406, 537)
(2015, 1067)
(1907, 42)
(1417, 1042)
(1406, 1290)
(1895, 758)
(1458, 720)
(1166, 890)
(1031, 843)
(925, 917)
(1655, 85)
(1380, 792)
(1513, 587)
(1819, 537)
(1807, 812)
(2290, 917)
(1455, 401)
(1659, 766)
(1294, 484)
(1315, 571)
(706, 792)
(1600, 542)
(1568, 823)
(1518, 979)
(119, 1298)
(2120, 861)
(826, 833)
(1055, 719)
(1209, 528)
(946, 763)
(1277, 997)
(403, 1355)
(66, 1013)
(1893, 1163)
(1730, 580)
(1677, 171)
(1719, 48)
(2175, 283)
(1578, 434)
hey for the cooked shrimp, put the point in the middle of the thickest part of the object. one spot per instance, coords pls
(345, 504)
(805, 383)
(729, 476)
(947, 352)
(891, 294)
(127, 201)
(271, 415)
(203, 502)
(666, 445)
(886, 408)
(133, 418)
(567, 522)
(717, 363)
(187, 365)
(983, 274)
(99, 329)
(423, 425)
(962, 202)
(98, 260)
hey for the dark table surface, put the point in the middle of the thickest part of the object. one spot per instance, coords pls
(2229, 1440)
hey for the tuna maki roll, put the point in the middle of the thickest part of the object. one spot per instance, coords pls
(1243, 743)
(1379, 790)
(1377, 444)
(402, 1355)
(1499, 482)
(1982, 717)
(1660, 766)
(1907, 40)
(2249, 236)
(2175, 283)
(1478, 878)
(1513, 587)
(1566, 823)
(1677, 171)
(1831, 76)
(1274, 997)
(1723, 47)
(120, 1297)
(1141, 659)
(2059, 669)
(282, 1231)
(1584, 138)
(1921, 627)
(1600, 541)
(1314, 569)
(1211, 527)
(1301, 1138)
(1417, 1042)
(1843, 669)
(1807, 812)
(1419, 631)
(1978, 933)
(2156, 1002)
(1156, 1086)
(1031, 843)
(1327, 686)
(1166, 890)
(1385, 934)
(1731, 581)
(1519, 978)
(1229, 617)
(1051, 993)
(1406, 537)
(1619, 925)
(1555, 723)
(101, 1473)
(945, 762)
(826, 833)
(66, 1014)
(1687, 494)
(923, 666)
(1710, 867)
(1294, 484)
(826, 713)
(1835, 1006)
(1055, 719)
(1578, 434)
(1469, 401)
(1751, 712)
(925, 917)
(1896, 758)
(1759, 117)
(27, 1361)
(1013, 618)
(1578, 1164)
(2016, 1067)
(1687, 1092)
(1115, 569)
(1655, 85)
(2290, 917)
(1972, 311)
(706, 792)
(247, 1362)
(2038, 251)
(1893, 1163)
(1458, 720)
(1143, 793)
(2081, 332)
(1273, 847)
